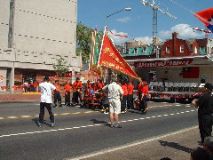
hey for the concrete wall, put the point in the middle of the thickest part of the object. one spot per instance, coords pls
(210, 47)
(4, 21)
(43, 31)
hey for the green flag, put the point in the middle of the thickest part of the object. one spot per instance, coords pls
(97, 48)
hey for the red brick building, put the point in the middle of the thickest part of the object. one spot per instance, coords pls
(175, 47)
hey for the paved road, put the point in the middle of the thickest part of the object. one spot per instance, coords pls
(82, 131)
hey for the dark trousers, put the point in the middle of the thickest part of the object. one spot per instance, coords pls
(42, 109)
(76, 97)
(57, 98)
(205, 125)
(143, 103)
(124, 103)
(67, 98)
(130, 101)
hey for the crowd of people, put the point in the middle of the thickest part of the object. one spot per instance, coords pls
(92, 95)
(95, 95)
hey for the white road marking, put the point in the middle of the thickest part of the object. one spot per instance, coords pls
(12, 117)
(89, 112)
(78, 127)
(101, 152)
(65, 114)
(47, 131)
(77, 113)
(25, 116)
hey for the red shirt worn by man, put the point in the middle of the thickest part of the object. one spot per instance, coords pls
(125, 90)
(77, 85)
(130, 88)
(67, 87)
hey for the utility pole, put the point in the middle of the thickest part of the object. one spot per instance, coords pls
(155, 8)
(11, 43)
(11, 24)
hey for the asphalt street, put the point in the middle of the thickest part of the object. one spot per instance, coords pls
(83, 131)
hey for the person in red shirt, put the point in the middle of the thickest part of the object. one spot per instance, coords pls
(57, 94)
(87, 88)
(77, 87)
(144, 90)
(99, 84)
(67, 89)
(124, 99)
(130, 89)
(35, 85)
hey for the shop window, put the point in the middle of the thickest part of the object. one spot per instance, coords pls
(181, 49)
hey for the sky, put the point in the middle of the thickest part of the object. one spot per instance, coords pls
(137, 23)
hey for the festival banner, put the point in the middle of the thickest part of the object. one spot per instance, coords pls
(110, 58)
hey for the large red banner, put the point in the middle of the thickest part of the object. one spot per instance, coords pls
(111, 58)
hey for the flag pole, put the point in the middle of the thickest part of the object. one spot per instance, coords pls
(105, 30)
(102, 69)
(92, 49)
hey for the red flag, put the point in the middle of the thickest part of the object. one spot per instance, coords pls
(111, 58)
(206, 16)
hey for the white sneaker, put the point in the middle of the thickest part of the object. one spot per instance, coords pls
(52, 124)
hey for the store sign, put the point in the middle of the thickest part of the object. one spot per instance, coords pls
(166, 63)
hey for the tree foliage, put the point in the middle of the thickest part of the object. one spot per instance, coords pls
(84, 42)
(61, 66)
(83, 37)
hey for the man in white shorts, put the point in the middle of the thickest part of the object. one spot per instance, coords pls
(115, 93)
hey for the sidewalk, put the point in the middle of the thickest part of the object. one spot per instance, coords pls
(176, 146)
(19, 97)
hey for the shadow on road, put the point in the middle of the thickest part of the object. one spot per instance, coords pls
(36, 121)
(95, 121)
(175, 145)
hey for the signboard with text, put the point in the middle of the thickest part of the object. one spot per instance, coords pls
(166, 63)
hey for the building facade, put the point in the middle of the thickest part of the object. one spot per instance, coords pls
(34, 34)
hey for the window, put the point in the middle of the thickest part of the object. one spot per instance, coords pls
(181, 49)
(167, 50)
(195, 50)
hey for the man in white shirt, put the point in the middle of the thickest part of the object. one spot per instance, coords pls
(46, 89)
(114, 96)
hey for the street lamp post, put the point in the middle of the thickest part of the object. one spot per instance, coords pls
(121, 10)
(108, 72)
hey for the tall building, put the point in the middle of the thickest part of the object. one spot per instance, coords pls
(33, 35)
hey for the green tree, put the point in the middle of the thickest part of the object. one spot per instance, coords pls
(84, 42)
(61, 66)
(83, 37)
